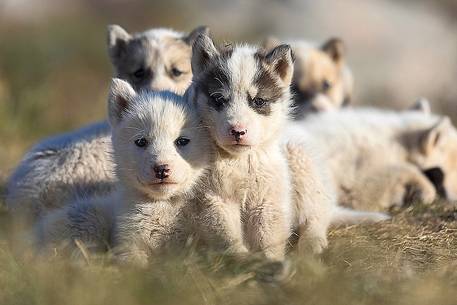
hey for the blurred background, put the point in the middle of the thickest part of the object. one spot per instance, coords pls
(54, 70)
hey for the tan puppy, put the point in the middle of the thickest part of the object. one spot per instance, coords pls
(322, 80)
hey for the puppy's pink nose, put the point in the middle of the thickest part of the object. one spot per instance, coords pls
(162, 171)
(238, 133)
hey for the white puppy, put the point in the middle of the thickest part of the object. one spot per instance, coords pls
(78, 163)
(160, 151)
(250, 200)
(380, 158)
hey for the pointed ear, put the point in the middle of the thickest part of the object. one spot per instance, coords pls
(201, 30)
(120, 99)
(335, 48)
(281, 60)
(433, 137)
(422, 105)
(203, 52)
(117, 41)
(270, 42)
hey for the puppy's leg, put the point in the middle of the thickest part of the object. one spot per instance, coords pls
(220, 223)
(267, 224)
(314, 199)
(394, 185)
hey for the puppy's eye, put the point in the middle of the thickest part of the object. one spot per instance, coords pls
(139, 74)
(181, 141)
(326, 85)
(141, 142)
(219, 100)
(176, 72)
(259, 102)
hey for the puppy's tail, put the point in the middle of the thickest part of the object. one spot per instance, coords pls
(345, 216)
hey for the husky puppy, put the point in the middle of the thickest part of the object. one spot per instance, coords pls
(322, 81)
(160, 151)
(78, 163)
(380, 158)
(250, 201)
(158, 59)
(243, 96)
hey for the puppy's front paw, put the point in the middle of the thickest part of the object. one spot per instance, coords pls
(318, 244)
(313, 244)
(419, 192)
(275, 271)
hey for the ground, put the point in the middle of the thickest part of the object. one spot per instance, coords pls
(410, 259)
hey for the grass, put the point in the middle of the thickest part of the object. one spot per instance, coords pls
(411, 259)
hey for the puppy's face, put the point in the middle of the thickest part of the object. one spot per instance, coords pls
(321, 81)
(157, 59)
(160, 148)
(434, 150)
(242, 92)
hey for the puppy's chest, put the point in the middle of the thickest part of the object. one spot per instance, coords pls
(154, 222)
(244, 180)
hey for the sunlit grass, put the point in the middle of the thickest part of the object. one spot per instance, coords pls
(411, 259)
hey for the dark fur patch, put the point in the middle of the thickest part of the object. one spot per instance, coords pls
(134, 59)
(215, 81)
(268, 87)
(436, 177)
(302, 96)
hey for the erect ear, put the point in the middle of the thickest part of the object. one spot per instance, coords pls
(118, 39)
(422, 105)
(281, 60)
(433, 137)
(270, 42)
(203, 52)
(334, 47)
(120, 99)
(201, 30)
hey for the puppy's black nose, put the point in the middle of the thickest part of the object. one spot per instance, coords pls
(162, 171)
(238, 134)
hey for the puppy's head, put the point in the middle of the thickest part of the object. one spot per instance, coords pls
(242, 92)
(321, 80)
(160, 148)
(433, 148)
(157, 59)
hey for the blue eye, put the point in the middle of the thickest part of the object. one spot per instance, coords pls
(142, 142)
(181, 141)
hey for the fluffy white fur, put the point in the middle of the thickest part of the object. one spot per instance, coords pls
(377, 158)
(78, 163)
(265, 184)
(145, 213)
(246, 202)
